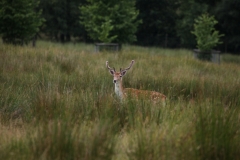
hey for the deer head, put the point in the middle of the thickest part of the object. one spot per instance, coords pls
(117, 76)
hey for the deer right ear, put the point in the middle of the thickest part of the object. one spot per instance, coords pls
(123, 72)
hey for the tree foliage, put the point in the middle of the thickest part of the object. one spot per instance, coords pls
(62, 19)
(164, 23)
(158, 22)
(226, 12)
(110, 20)
(188, 11)
(19, 20)
(228, 15)
(207, 36)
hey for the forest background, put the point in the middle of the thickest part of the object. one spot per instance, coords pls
(164, 23)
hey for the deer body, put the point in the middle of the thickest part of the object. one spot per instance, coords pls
(123, 93)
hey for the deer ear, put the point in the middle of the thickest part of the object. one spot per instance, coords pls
(123, 72)
(111, 72)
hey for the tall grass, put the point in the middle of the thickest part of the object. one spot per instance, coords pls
(57, 102)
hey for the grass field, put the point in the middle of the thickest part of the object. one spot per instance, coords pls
(57, 102)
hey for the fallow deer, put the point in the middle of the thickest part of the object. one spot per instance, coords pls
(123, 93)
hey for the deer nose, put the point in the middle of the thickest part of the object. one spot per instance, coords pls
(114, 81)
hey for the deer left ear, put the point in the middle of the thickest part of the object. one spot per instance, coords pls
(123, 72)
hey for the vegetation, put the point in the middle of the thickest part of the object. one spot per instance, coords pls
(19, 21)
(56, 102)
(158, 27)
(108, 21)
(188, 12)
(62, 20)
(207, 36)
(164, 23)
(227, 22)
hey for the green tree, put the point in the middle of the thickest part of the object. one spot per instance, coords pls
(228, 15)
(158, 23)
(62, 19)
(207, 36)
(187, 12)
(19, 20)
(110, 20)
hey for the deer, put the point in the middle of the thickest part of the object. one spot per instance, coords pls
(123, 93)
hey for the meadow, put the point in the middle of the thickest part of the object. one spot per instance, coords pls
(57, 102)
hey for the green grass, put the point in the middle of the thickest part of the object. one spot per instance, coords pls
(57, 102)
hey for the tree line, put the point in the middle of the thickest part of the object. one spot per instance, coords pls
(163, 23)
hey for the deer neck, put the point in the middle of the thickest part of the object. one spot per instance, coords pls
(119, 89)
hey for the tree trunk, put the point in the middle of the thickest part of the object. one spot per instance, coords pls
(34, 41)
(62, 37)
(68, 37)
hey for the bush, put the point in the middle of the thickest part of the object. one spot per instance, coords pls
(207, 36)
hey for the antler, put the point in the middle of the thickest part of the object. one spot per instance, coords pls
(132, 62)
(109, 67)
